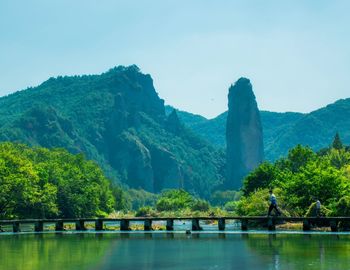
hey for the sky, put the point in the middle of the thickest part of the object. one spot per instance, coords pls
(295, 52)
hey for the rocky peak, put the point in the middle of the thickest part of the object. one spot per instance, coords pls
(244, 135)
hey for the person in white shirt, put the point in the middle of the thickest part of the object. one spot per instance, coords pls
(273, 204)
(318, 208)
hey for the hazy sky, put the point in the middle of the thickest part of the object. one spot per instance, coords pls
(296, 53)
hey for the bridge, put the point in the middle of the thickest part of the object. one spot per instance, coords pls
(266, 221)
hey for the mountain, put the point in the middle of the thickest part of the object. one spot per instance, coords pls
(282, 131)
(118, 120)
(316, 129)
(244, 136)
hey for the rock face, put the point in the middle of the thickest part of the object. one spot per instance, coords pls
(118, 120)
(244, 136)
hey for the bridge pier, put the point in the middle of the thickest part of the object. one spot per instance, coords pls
(80, 225)
(124, 225)
(99, 225)
(147, 225)
(59, 226)
(16, 227)
(271, 224)
(244, 224)
(39, 226)
(170, 224)
(334, 225)
(195, 225)
(306, 225)
(221, 224)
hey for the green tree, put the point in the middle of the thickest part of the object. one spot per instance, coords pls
(174, 199)
(260, 178)
(37, 183)
(297, 157)
(337, 143)
(220, 198)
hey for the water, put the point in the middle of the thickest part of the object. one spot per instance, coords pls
(161, 250)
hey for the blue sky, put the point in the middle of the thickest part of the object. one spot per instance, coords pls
(296, 52)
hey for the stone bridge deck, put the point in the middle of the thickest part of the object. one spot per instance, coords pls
(270, 222)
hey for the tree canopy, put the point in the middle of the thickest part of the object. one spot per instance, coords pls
(300, 179)
(42, 183)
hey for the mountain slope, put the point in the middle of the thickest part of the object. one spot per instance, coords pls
(316, 129)
(118, 120)
(284, 130)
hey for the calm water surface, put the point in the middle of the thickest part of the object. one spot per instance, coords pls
(214, 251)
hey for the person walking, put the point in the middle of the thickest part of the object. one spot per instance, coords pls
(318, 208)
(273, 204)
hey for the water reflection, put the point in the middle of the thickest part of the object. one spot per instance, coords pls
(312, 251)
(146, 251)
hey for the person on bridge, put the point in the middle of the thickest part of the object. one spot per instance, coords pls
(318, 208)
(273, 204)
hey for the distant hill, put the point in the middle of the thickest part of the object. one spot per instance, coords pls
(282, 131)
(118, 120)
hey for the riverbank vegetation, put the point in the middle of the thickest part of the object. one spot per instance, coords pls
(300, 179)
(37, 182)
(42, 183)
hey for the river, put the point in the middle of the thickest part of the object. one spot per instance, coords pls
(161, 250)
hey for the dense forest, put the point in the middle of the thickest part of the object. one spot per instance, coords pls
(38, 182)
(298, 180)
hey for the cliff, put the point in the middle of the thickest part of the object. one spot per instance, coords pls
(244, 137)
(118, 120)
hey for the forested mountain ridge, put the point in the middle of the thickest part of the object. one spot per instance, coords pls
(283, 131)
(118, 120)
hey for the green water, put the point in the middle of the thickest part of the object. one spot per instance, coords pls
(174, 251)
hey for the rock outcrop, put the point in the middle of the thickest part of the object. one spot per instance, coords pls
(118, 120)
(244, 136)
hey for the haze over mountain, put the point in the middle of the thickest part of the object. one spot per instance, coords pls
(118, 120)
(283, 131)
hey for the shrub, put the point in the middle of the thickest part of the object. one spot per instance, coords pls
(200, 205)
(311, 212)
(145, 211)
(231, 206)
(174, 199)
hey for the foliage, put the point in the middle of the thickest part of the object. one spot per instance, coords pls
(297, 157)
(118, 120)
(220, 198)
(139, 198)
(122, 198)
(200, 205)
(337, 143)
(342, 207)
(178, 202)
(42, 183)
(145, 211)
(174, 199)
(260, 178)
(257, 203)
(312, 211)
(231, 206)
(298, 179)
